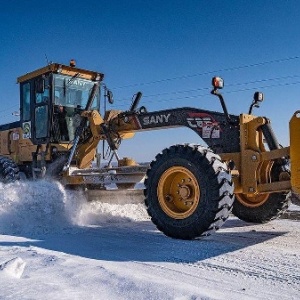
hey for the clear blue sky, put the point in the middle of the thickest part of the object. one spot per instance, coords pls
(169, 50)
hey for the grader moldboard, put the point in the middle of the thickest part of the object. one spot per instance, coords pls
(189, 189)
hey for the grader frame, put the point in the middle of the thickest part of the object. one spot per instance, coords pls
(189, 189)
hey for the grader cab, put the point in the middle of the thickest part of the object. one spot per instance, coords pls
(189, 190)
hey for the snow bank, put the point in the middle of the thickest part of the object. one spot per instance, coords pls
(97, 213)
(33, 206)
(46, 206)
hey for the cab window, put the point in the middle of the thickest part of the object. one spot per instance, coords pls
(73, 92)
(26, 101)
(41, 114)
(42, 94)
(71, 95)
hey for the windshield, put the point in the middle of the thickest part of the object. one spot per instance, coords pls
(73, 92)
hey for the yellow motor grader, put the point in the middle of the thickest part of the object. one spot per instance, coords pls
(189, 189)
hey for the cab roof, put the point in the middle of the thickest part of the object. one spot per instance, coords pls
(62, 69)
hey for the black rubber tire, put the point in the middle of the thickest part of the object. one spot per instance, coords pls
(9, 171)
(271, 209)
(216, 196)
(295, 198)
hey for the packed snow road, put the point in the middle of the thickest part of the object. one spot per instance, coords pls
(53, 245)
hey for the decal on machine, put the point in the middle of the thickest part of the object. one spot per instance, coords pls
(205, 124)
(15, 136)
(26, 126)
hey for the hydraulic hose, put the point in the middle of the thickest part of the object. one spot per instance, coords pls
(270, 136)
(273, 143)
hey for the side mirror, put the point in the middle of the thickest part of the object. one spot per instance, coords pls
(217, 82)
(40, 85)
(110, 96)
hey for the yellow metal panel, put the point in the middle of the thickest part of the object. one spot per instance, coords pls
(86, 153)
(274, 187)
(76, 180)
(62, 69)
(295, 151)
(4, 142)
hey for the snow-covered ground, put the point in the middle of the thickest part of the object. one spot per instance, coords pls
(54, 245)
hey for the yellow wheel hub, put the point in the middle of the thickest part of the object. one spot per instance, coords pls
(252, 201)
(178, 192)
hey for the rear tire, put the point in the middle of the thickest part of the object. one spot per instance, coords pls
(188, 191)
(9, 171)
(271, 207)
(295, 198)
(262, 208)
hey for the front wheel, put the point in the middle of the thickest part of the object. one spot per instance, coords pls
(188, 191)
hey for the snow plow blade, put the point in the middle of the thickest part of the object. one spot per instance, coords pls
(116, 196)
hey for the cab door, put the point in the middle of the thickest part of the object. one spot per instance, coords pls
(40, 130)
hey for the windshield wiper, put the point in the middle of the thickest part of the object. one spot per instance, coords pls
(70, 81)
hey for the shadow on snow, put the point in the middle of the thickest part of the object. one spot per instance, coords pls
(140, 241)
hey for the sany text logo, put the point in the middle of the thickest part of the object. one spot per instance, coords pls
(156, 119)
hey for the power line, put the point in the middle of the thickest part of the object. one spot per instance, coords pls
(227, 92)
(207, 89)
(212, 72)
(267, 86)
